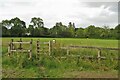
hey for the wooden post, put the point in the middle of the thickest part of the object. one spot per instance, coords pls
(20, 44)
(99, 55)
(30, 53)
(38, 48)
(68, 50)
(11, 45)
(50, 47)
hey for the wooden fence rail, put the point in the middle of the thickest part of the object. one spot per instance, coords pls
(93, 47)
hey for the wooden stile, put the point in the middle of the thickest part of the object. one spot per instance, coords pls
(43, 48)
(11, 47)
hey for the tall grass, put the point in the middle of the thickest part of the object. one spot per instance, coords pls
(55, 66)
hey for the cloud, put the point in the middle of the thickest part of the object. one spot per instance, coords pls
(52, 11)
(102, 15)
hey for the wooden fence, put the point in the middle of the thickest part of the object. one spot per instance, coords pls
(99, 57)
(43, 48)
(12, 48)
(47, 47)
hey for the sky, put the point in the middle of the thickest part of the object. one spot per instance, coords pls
(81, 13)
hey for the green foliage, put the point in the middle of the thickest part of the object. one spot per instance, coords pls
(80, 33)
(37, 22)
(17, 28)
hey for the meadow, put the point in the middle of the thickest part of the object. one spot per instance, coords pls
(18, 65)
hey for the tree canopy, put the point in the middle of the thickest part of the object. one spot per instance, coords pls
(16, 27)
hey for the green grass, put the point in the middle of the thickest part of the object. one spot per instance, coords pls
(46, 66)
(73, 41)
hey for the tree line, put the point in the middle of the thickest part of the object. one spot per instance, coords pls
(17, 28)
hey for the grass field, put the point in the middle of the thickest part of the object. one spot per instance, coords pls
(18, 66)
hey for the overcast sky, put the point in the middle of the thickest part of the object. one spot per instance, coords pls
(65, 11)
